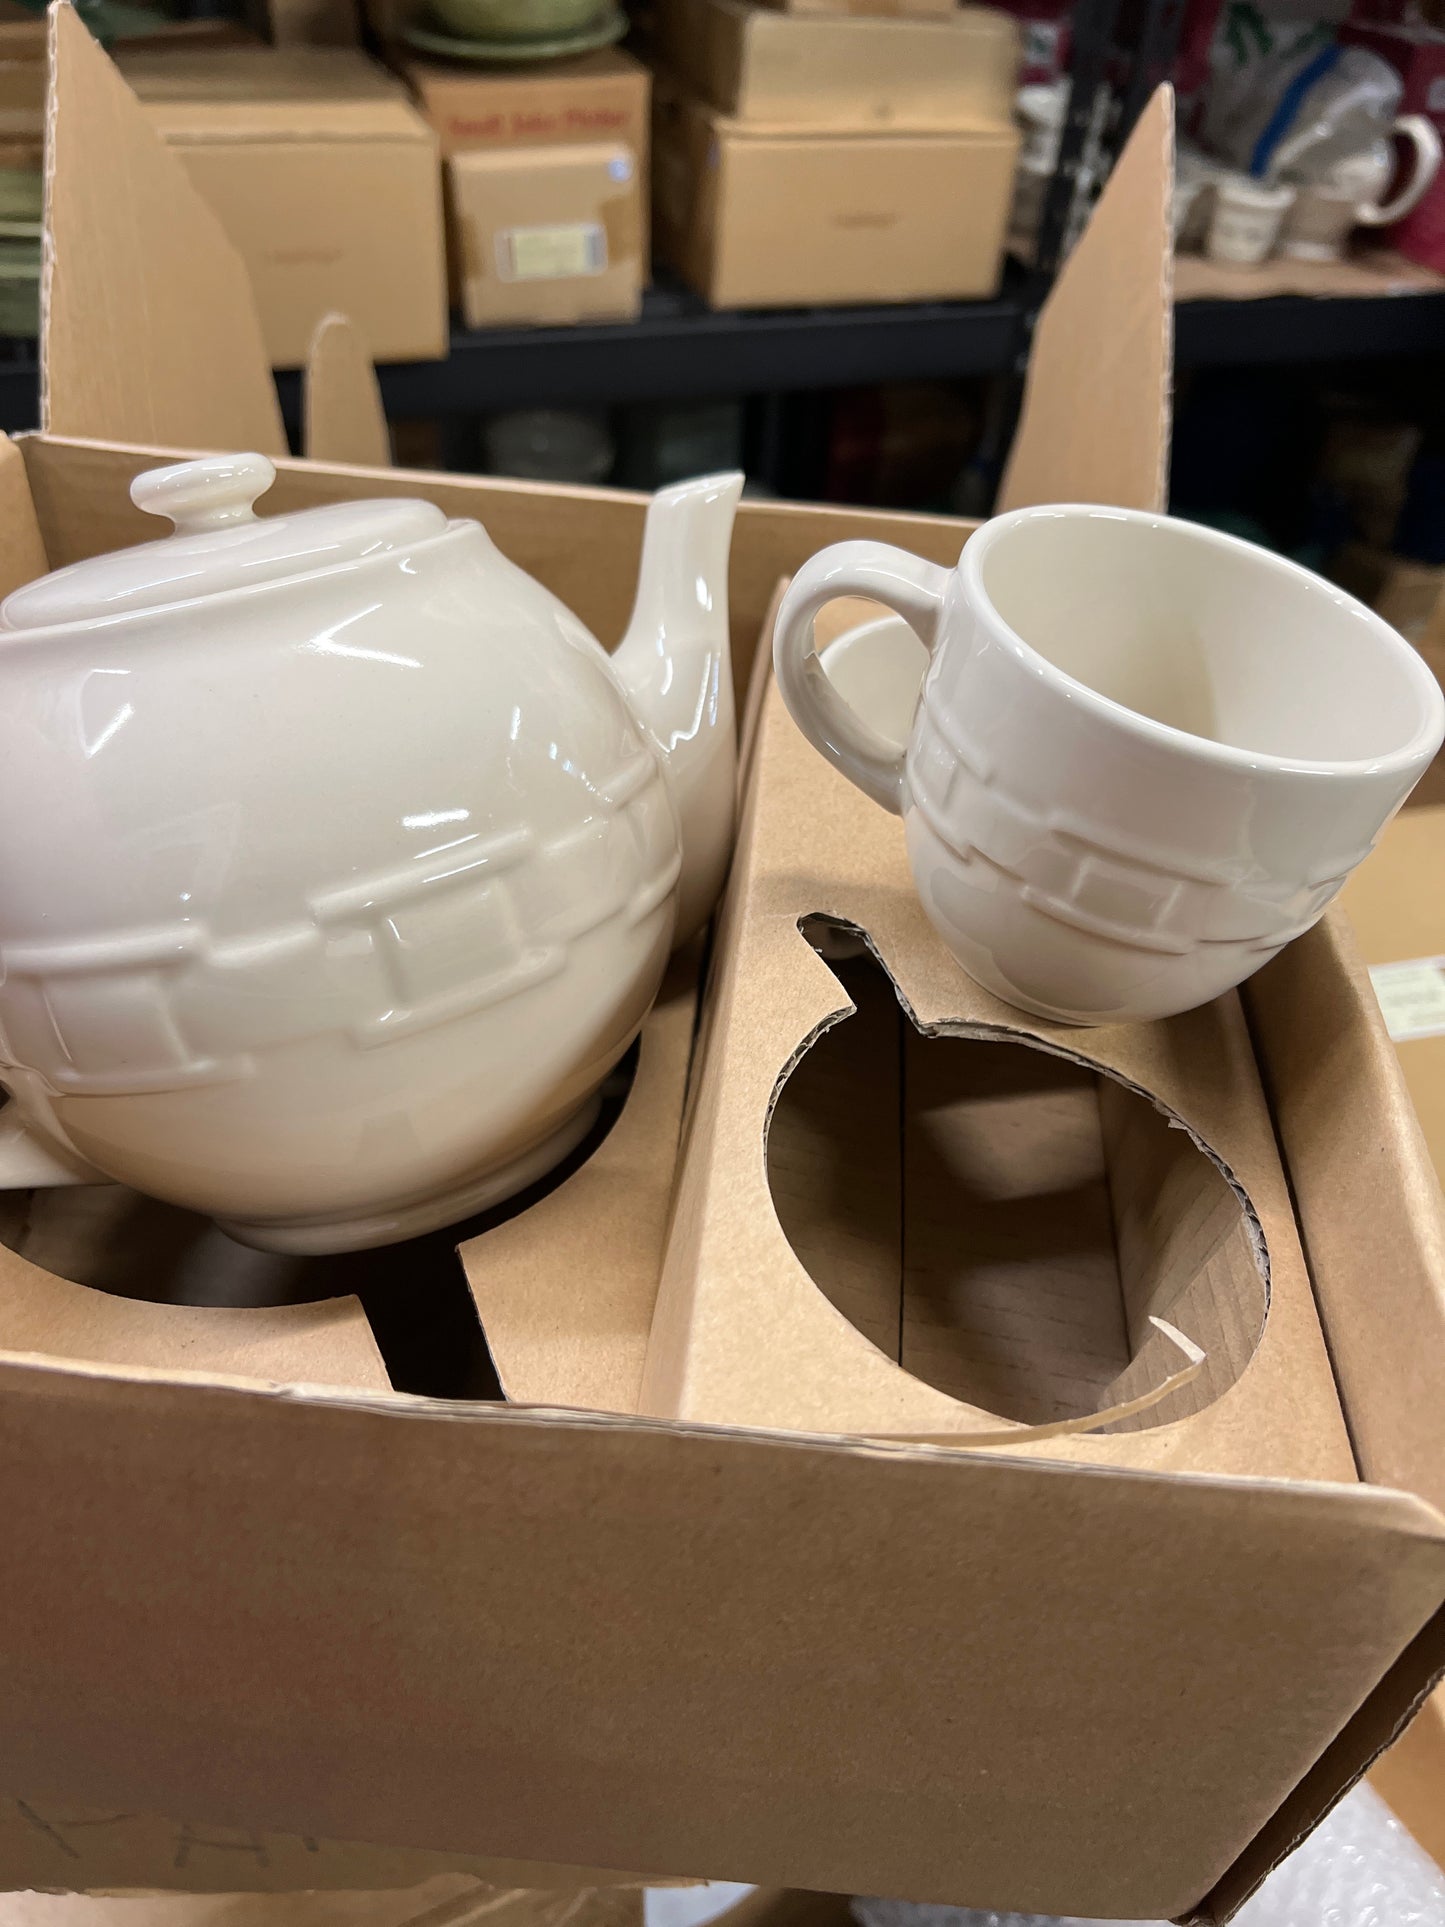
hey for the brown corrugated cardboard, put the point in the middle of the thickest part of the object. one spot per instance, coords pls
(325, 179)
(793, 71)
(553, 1343)
(477, 1629)
(510, 1508)
(1396, 901)
(595, 97)
(62, 1847)
(772, 219)
(22, 91)
(344, 420)
(329, 1343)
(1102, 1217)
(1406, 593)
(1411, 1776)
(1073, 444)
(547, 234)
(306, 23)
(120, 356)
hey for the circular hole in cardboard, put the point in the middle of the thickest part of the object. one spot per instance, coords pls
(415, 1294)
(1003, 1222)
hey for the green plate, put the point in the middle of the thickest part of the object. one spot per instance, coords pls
(602, 33)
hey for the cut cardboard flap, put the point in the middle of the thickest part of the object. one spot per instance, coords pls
(1095, 422)
(344, 417)
(149, 330)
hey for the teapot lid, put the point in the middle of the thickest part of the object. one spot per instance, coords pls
(219, 544)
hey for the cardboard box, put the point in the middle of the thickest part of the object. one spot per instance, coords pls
(1396, 901)
(22, 100)
(1406, 593)
(756, 218)
(548, 234)
(325, 178)
(597, 97)
(990, 1676)
(1411, 597)
(306, 23)
(792, 71)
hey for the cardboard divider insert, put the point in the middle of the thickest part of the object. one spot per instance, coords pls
(1004, 1223)
(960, 1223)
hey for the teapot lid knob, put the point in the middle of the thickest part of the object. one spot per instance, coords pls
(211, 493)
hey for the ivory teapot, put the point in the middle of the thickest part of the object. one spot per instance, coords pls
(339, 863)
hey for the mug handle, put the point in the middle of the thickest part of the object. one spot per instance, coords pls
(1422, 136)
(912, 589)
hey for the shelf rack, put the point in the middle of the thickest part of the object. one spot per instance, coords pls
(679, 349)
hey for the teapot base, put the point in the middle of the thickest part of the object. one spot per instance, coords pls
(325, 1237)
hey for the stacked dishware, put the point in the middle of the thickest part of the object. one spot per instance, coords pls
(512, 31)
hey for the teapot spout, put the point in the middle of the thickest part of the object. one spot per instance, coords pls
(675, 663)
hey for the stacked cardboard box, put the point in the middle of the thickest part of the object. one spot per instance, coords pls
(807, 158)
(546, 170)
(325, 179)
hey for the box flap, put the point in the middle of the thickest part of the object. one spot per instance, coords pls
(271, 94)
(144, 302)
(1374, 1727)
(1095, 424)
(344, 419)
(542, 1611)
(1367, 1197)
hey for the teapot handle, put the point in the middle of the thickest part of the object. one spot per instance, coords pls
(27, 1163)
(912, 589)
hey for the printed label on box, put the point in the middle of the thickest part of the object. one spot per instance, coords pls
(555, 252)
(1412, 997)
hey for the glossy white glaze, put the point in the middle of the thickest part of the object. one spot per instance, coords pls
(338, 862)
(1144, 757)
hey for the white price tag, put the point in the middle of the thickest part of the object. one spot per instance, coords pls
(1412, 997)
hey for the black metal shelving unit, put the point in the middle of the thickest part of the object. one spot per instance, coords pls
(679, 348)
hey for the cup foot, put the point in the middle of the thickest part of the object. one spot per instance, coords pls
(325, 1237)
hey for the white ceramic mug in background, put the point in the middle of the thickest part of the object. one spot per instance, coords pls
(1325, 213)
(1245, 220)
(1145, 755)
(1041, 110)
(1026, 210)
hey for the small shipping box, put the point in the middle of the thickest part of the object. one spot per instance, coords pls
(252, 1587)
(596, 97)
(804, 70)
(755, 216)
(325, 179)
(547, 234)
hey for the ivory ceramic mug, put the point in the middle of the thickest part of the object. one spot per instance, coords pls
(1144, 755)
(1245, 221)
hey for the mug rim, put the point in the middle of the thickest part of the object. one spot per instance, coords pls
(1167, 735)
